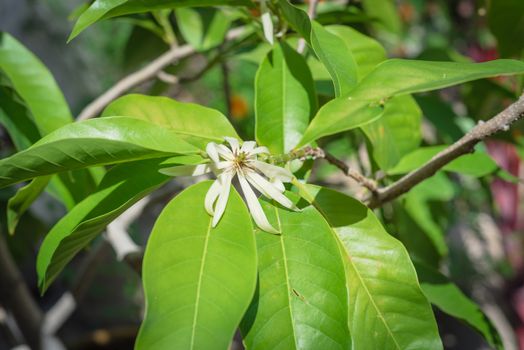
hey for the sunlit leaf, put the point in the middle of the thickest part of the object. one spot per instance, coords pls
(285, 99)
(301, 299)
(120, 188)
(103, 9)
(387, 309)
(193, 123)
(198, 280)
(93, 142)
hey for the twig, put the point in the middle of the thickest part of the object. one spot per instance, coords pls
(167, 78)
(144, 74)
(319, 153)
(500, 122)
(15, 295)
(311, 12)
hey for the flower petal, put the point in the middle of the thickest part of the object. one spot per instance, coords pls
(248, 146)
(233, 142)
(225, 186)
(254, 206)
(269, 189)
(278, 184)
(211, 196)
(259, 150)
(212, 152)
(225, 152)
(272, 171)
(224, 164)
(186, 170)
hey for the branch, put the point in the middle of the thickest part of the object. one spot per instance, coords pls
(144, 74)
(500, 122)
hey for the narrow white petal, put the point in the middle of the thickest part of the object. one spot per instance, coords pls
(212, 152)
(273, 172)
(234, 144)
(248, 146)
(271, 190)
(267, 23)
(186, 170)
(223, 164)
(211, 196)
(254, 206)
(259, 150)
(225, 186)
(278, 184)
(225, 152)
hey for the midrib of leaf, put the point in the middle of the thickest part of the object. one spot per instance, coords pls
(199, 285)
(282, 245)
(341, 245)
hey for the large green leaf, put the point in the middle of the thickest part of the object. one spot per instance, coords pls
(121, 187)
(399, 77)
(194, 123)
(22, 200)
(336, 56)
(285, 99)
(449, 298)
(301, 300)
(93, 142)
(340, 115)
(33, 82)
(397, 133)
(366, 51)
(103, 9)
(387, 309)
(198, 280)
(297, 19)
(202, 29)
(506, 21)
(475, 164)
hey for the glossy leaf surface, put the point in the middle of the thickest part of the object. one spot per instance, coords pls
(285, 99)
(103, 9)
(198, 280)
(387, 309)
(301, 300)
(93, 142)
(121, 187)
(194, 123)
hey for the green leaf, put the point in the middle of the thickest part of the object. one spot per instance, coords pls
(16, 118)
(93, 142)
(198, 280)
(103, 9)
(476, 164)
(193, 123)
(506, 21)
(399, 77)
(435, 188)
(387, 308)
(121, 187)
(301, 300)
(366, 51)
(340, 115)
(449, 298)
(22, 200)
(297, 19)
(202, 29)
(336, 56)
(33, 82)
(385, 16)
(397, 133)
(285, 99)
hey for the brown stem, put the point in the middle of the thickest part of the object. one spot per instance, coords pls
(500, 122)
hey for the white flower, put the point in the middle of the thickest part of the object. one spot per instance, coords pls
(241, 161)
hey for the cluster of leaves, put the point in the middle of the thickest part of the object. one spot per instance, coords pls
(333, 278)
